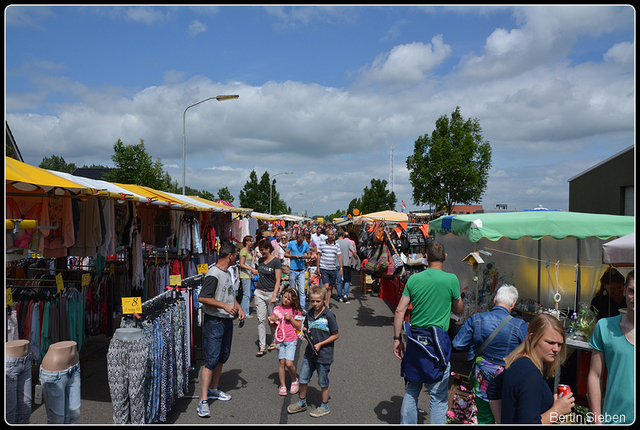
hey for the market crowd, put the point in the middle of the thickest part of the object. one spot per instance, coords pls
(513, 361)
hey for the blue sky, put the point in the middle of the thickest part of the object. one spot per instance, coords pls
(324, 91)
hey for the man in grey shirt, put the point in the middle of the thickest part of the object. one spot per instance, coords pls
(344, 281)
(220, 308)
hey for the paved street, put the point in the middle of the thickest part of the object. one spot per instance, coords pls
(366, 387)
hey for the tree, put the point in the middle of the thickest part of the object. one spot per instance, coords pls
(57, 163)
(452, 165)
(255, 195)
(225, 195)
(377, 198)
(133, 165)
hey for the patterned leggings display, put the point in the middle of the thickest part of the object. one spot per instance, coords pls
(126, 362)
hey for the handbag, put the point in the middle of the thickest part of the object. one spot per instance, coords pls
(372, 262)
(415, 237)
(414, 260)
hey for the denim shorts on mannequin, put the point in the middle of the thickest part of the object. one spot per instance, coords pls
(61, 394)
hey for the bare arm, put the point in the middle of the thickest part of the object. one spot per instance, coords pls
(594, 390)
(457, 305)
(398, 318)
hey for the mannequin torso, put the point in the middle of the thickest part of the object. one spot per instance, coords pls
(17, 348)
(61, 356)
(128, 334)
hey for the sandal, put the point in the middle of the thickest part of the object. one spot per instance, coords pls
(271, 347)
(282, 391)
(295, 386)
(261, 353)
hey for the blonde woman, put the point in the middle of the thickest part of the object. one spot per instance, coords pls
(526, 397)
(247, 271)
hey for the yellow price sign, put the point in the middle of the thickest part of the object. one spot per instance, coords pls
(86, 278)
(203, 268)
(175, 280)
(9, 297)
(131, 305)
(59, 283)
(112, 269)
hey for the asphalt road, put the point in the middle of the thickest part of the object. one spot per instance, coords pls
(366, 387)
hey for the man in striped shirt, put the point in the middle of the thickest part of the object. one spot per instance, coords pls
(329, 258)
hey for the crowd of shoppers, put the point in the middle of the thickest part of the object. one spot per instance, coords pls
(512, 361)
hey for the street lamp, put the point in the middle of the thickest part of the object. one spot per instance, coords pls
(271, 186)
(292, 201)
(184, 139)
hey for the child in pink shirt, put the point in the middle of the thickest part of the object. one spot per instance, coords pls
(287, 317)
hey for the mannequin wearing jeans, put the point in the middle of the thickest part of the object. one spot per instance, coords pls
(60, 380)
(18, 378)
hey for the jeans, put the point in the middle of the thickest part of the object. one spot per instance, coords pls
(296, 281)
(218, 334)
(344, 281)
(18, 392)
(439, 393)
(246, 295)
(61, 394)
(307, 369)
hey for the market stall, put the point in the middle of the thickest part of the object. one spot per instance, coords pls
(550, 256)
(76, 248)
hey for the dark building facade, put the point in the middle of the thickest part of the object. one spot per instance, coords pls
(607, 187)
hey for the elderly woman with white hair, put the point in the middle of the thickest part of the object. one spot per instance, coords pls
(490, 337)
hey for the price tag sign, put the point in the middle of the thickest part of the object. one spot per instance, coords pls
(175, 280)
(131, 305)
(112, 269)
(203, 268)
(59, 283)
(85, 279)
(9, 297)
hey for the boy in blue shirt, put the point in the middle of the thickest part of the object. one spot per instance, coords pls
(322, 326)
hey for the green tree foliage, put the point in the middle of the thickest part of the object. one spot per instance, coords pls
(452, 165)
(255, 195)
(133, 165)
(377, 198)
(225, 195)
(57, 163)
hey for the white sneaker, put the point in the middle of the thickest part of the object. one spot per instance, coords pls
(346, 299)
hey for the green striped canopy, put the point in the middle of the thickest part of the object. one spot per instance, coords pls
(535, 224)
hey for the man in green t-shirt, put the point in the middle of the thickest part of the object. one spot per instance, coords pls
(433, 295)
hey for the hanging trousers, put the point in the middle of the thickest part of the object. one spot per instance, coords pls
(126, 364)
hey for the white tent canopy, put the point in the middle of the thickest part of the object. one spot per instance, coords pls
(620, 251)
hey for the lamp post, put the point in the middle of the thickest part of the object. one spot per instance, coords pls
(292, 201)
(184, 139)
(271, 186)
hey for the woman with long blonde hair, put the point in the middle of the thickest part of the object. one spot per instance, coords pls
(526, 397)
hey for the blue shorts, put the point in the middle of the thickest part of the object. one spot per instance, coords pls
(218, 333)
(287, 350)
(330, 276)
(307, 369)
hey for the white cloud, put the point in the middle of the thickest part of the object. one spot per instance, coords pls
(621, 53)
(406, 64)
(196, 27)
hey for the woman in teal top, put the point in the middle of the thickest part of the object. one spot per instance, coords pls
(613, 341)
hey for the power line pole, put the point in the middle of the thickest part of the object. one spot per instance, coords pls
(391, 169)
